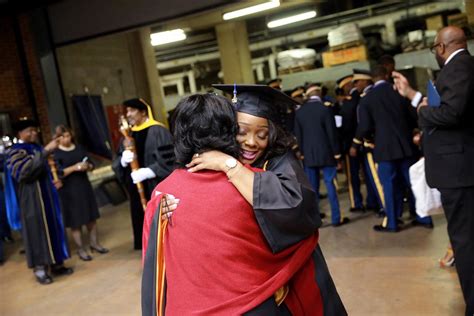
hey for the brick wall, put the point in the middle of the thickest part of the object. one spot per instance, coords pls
(14, 97)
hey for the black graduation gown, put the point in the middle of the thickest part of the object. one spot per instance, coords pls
(155, 151)
(286, 210)
(41, 223)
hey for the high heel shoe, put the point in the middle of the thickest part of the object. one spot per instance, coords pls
(100, 249)
(448, 259)
(83, 255)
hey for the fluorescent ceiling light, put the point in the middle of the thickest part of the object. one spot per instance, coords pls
(166, 37)
(292, 19)
(251, 10)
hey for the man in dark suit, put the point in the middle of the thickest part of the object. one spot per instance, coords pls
(362, 82)
(315, 130)
(448, 141)
(384, 113)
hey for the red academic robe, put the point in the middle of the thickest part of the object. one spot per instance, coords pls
(217, 259)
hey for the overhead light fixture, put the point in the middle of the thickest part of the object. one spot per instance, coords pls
(166, 37)
(251, 10)
(292, 19)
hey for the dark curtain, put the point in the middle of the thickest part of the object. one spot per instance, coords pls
(93, 124)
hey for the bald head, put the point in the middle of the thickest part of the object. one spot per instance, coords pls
(453, 37)
(447, 41)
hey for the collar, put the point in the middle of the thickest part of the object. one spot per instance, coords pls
(452, 55)
(315, 97)
(367, 88)
(352, 90)
(379, 82)
(149, 122)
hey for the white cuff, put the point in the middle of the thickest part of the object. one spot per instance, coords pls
(416, 99)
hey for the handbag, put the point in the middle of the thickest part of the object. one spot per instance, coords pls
(428, 200)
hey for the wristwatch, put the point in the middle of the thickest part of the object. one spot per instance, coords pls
(230, 164)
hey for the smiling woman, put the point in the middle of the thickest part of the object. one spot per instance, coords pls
(252, 137)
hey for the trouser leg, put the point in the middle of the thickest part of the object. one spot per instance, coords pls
(374, 186)
(313, 176)
(137, 222)
(387, 174)
(329, 174)
(353, 181)
(458, 206)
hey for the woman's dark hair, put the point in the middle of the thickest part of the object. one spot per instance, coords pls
(62, 129)
(279, 142)
(204, 122)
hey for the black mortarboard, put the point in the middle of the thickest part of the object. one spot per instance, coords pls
(136, 104)
(361, 74)
(341, 82)
(24, 123)
(259, 100)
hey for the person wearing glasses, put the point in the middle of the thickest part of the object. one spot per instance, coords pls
(448, 145)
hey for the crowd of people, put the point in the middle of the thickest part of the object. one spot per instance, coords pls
(261, 153)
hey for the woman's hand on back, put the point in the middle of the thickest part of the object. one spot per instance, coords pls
(209, 160)
(169, 205)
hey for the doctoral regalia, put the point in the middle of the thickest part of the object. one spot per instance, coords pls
(33, 205)
(154, 148)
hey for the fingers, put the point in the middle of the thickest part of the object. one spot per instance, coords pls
(197, 167)
(195, 161)
(166, 216)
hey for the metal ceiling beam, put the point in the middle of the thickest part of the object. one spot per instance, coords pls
(319, 32)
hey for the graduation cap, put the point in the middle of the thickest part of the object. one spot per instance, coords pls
(136, 103)
(259, 100)
(24, 123)
(361, 74)
(341, 82)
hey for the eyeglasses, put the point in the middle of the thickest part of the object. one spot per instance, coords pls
(433, 48)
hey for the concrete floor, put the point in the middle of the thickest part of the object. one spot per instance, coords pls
(376, 274)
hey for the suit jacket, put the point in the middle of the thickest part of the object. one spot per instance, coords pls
(449, 129)
(348, 112)
(315, 130)
(387, 115)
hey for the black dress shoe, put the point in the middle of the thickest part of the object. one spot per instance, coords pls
(372, 208)
(357, 209)
(381, 229)
(425, 225)
(322, 215)
(322, 196)
(44, 279)
(8, 239)
(343, 221)
(400, 222)
(62, 270)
